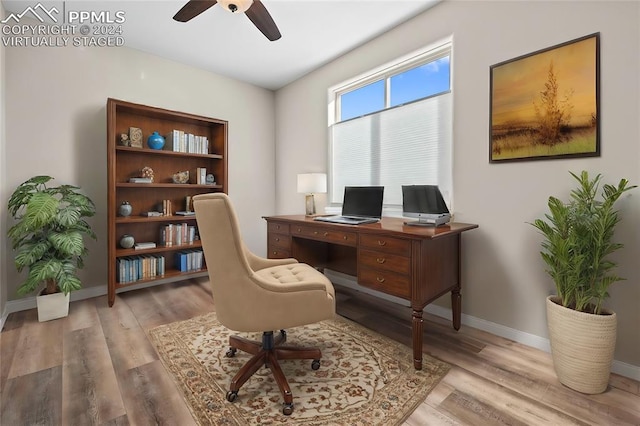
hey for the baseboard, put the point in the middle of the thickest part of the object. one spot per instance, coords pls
(27, 303)
(532, 340)
(3, 318)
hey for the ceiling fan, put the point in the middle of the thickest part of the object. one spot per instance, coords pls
(254, 9)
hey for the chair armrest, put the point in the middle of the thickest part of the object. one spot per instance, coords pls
(256, 262)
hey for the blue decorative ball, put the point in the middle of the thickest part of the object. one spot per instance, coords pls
(155, 141)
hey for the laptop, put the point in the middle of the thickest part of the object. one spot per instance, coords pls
(362, 204)
(426, 203)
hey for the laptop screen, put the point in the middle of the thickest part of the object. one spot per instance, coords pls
(363, 201)
(425, 199)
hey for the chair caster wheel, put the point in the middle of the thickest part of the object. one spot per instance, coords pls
(232, 395)
(287, 409)
(315, 364)
(231, 353)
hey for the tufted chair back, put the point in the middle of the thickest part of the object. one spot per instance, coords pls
(252, 293)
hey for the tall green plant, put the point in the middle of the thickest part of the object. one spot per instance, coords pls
(48, 236)
(578, 239)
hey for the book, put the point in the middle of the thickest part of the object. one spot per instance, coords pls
(140, 180)
(198, 175)
(185, 213)
(144, 245)
(151, 214)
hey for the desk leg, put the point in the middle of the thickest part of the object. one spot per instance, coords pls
(456, 297)
(456, 305)
(416, 326)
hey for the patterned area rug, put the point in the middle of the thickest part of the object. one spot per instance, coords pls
(364, 378)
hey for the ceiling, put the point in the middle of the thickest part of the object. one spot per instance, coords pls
(314, 32)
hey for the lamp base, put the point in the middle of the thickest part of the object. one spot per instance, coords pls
(310, 205)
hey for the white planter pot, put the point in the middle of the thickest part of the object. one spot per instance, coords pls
(52, 306)
(582, 346)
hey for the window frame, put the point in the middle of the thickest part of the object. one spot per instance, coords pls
(414, 60)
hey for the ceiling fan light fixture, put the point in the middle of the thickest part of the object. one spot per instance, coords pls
(235, 6)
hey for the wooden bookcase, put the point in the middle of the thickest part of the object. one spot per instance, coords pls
(124, 162)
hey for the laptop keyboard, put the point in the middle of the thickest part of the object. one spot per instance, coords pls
(346, 219)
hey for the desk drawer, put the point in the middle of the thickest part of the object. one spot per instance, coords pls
(278, 246)
(385, 243)
(277, 227)
(384, 261)
(385, 281)
(279, 240)
(325, 234)
(278, 253)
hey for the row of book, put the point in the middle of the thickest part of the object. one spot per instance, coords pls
(179, 141)
(176, 234)
(167, 208)
(135, 268)
(189, 260)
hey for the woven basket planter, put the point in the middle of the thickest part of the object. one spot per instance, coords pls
(582, 346)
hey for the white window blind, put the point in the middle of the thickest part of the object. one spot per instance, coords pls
(406, 145)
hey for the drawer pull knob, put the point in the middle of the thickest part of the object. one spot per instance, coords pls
(381, 260)
(344, 237)
(275, 252)
(315, 232)
(380, 280)
(277, 226)
(382, 243)
(277, 239)
(326, 233)
(298, 229)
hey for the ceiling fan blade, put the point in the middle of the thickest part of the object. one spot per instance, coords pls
(263, 21)
(192, 9)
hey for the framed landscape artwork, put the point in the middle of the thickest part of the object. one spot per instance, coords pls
(546, 104)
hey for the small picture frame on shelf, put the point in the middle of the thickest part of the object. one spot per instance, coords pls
(124, 140)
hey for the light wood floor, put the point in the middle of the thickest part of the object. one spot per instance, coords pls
(97, 366)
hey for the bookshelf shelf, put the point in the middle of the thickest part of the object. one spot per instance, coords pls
(167, 185)
(125, 162)
(145, 151)
(144, 219)
(169, 276)
(120, 252)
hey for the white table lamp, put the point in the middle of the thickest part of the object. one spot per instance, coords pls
(311, 183)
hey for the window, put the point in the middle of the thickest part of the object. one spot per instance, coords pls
(393, 127)
(362, 101)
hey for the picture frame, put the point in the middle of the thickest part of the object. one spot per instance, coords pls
(546, 104)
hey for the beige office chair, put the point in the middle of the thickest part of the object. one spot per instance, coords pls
(253, 294)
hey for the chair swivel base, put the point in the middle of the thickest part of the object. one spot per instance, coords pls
(268, 353)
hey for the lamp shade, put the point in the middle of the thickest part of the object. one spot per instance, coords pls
(235, 6)
(310, 183)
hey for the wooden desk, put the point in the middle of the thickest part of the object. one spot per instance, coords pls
(416, 263)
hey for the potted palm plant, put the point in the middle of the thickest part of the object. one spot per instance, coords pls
(48, 238)
(578, 241)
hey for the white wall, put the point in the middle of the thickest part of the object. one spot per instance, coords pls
(3, 192)
(56, 122)
(504, 278)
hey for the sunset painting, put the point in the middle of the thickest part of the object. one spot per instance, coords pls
(545, 104)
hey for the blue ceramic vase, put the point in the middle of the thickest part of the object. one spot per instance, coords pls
(155, 141)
